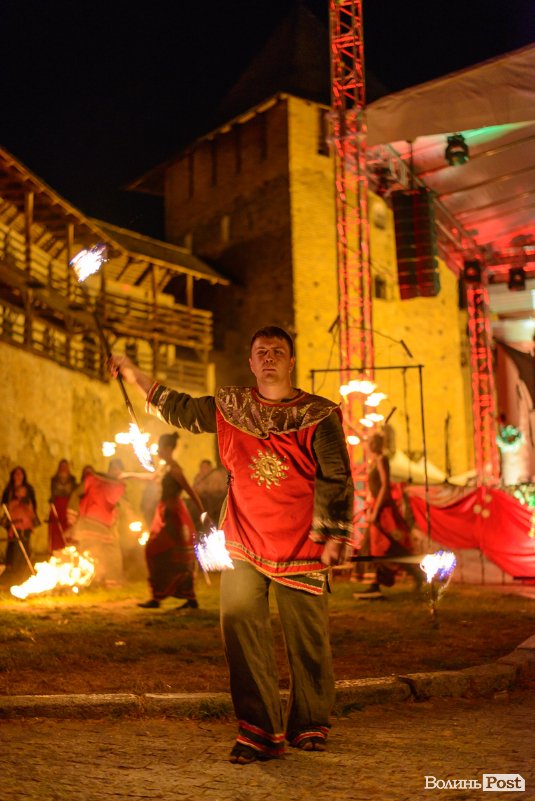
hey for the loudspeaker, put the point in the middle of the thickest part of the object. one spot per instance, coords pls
(416, 247)
(516, 280)
(472, 271)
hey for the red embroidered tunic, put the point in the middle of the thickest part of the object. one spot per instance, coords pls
(288, 475)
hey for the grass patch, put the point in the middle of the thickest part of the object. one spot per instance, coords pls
(100, 641)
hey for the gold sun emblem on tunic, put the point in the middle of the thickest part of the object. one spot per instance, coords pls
(268, 469)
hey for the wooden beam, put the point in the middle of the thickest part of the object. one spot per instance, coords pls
(154, 287)
(189, 291)
(102, 311)
(28, 220)
(69, 242)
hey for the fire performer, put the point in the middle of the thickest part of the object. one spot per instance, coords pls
(92, 512)
(169, 550)
(388, 530)
(286, 520)
(62, 485)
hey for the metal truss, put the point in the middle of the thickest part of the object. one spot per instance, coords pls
(351, 198)
(486, 456)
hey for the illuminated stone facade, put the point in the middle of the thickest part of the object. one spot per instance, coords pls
(257, 199)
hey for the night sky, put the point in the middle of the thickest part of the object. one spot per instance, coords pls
(94, 94)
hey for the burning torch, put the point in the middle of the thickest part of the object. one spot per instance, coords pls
(86, 263)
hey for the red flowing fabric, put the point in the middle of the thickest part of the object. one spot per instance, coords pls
(488, 519)
(100, 498)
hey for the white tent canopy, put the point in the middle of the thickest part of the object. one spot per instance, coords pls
(492, 195)
(496, 92)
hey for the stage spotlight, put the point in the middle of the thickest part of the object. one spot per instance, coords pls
(516, 281)
(472, 272)
(383, 179)
(456, 152)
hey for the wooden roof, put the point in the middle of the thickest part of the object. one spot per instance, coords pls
(53, 217)
(163, 254)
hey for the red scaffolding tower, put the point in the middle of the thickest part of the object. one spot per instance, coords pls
(486, 456)
(351, 198)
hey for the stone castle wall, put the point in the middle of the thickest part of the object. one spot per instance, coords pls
(50, 413)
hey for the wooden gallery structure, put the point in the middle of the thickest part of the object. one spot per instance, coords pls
(143, 300)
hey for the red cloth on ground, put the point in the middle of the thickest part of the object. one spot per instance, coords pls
(488, 519)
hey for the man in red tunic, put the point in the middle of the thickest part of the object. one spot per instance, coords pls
(286, 520)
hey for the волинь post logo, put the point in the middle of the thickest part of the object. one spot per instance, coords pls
(489, 783)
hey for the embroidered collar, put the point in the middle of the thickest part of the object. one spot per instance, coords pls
(244, 408)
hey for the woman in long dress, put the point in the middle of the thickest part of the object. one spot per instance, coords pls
(389, 532)
(19, 498)
(62, 485)
(169, 551)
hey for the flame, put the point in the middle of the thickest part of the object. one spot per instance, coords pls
(108, 448)
(68, 569)
(365, 387)
(211, 551)
(375, 399)
(366, 422)
(122, 438)
(89, 261)
(137, 528)
(438, 565)
(353, 439)
(374, 417)
(139, 444)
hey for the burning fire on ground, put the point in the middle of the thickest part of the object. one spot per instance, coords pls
(68, 569)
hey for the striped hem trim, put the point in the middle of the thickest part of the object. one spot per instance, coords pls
(270, 750)
(260, 740)
(321, 732)
(273, 569)
(274, 738)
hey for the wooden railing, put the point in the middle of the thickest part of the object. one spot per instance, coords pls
(24, 321)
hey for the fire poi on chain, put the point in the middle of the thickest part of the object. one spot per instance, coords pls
(210, 548)
(86, 263)
(89, 261)
(125, 438)
(68, 569)
(137, 528)
(139, 443)
(438, 568)
(439, 565)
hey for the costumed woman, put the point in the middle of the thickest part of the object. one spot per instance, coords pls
(19, 499)
(389, 533)
(169, 551)
(62, 485)
(17, 478)
(92, 513)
